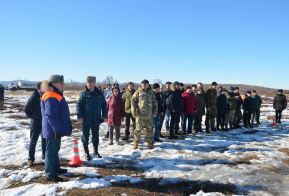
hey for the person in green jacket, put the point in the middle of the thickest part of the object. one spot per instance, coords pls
(126, 97)
(257, 101)
(211, 105)
(91, 108)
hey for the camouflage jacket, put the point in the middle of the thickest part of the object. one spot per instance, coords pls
(211, 98)
(232, 101)
(144, 103)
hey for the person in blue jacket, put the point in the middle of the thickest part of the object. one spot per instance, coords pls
(55, 124)
(91, 108)
(33, 111)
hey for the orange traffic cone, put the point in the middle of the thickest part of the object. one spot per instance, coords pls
(75, 159)
(274, 122)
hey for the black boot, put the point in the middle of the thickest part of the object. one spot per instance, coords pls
(222, 128)
(96, 152)
(107, 135)
(226, 128)
(231, 126)
(218, 127)
(87, 156)
(125, 137)
(213, 128)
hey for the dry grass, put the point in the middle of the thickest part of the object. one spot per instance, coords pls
(248, 159)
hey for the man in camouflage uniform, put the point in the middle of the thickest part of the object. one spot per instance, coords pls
(144, 108)
(232, 105)
(238, 114)
(211, 105)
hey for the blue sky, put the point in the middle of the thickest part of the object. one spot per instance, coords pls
(232, 42)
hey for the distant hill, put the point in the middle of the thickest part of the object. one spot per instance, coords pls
(260, 89)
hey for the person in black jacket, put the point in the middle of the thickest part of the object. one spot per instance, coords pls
(33, 111)
(167, 93)
(222, 110)
(279, 104)
(238, 113)
(161, 108)
(163, 98)
(248, 107)
(177, 107)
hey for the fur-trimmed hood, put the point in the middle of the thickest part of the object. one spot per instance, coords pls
(46, 86)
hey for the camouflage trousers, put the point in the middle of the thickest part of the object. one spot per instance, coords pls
(143, 122)
(211, 117)
(238, 116)
(230, 117)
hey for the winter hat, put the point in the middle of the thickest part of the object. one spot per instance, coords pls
(176, 83)
(188, 87)
(280, 90)
(214, 83)
(181, 84)
(231, 88)
(156, 85)
(38, 85)
(224, 90)
(168, 82)
(249, 92)
(56, 79)
(90, 79)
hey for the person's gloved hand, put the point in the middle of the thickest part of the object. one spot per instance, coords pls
(57, 135)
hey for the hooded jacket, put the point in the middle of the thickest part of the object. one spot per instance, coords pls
(190, 103)
(115, 108)
(55, 112)
(91, 106)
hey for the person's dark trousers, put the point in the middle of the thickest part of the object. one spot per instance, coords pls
(157, 126)
(174, 125)
(35, 131)
(278, 116)
(190, 118)
(198, 122)
(221, 119)
(52, 163)
(247, 118)
(128, 117)
(94, 133)
(257, 114)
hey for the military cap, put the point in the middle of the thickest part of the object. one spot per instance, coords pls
(280, 90)
(145, 81)
(56, 79)
(90, 79)
(214, 83)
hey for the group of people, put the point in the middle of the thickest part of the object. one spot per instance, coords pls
(147, 107)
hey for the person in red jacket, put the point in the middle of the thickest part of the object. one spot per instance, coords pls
(115, 115)
(190, 108)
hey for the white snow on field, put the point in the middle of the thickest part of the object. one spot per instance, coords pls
(251, 159)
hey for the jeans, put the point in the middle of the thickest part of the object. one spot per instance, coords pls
(35, 131)
(52, 163)
(157, 126)
(167, 117)
(190, 118)
(94, 133)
